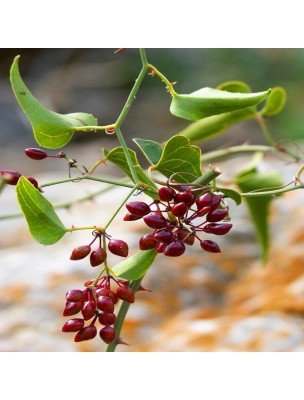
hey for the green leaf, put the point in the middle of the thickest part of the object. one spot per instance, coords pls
(51, 130)
(207, 101)
(259, 206)
(135, 266)
(44, 224)
(232, 194)
(151, 150)
(275, 102)
(180, 156)
(215, 125)
(235, 87)
(117, 157)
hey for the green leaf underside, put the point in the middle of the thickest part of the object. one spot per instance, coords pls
(135, 266)
(180, 156)
(207, 102)
(235, 87)
(215, 125)
(117, 157)
(275, 102)
(51, 130)
(151, 150)
(44, 224)
(232, 194)
(259, 206)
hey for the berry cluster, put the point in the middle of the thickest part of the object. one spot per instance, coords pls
(98, 256)
(176, 220)
(96, 302)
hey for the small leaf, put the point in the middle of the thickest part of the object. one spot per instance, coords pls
(232, 194)
(117, 157)
(235, 87)
(51, 130)
(259, 206)
(207, 101)
(44, 224)
(180, 156)
(275, 102)
(151, 150)
(135, 266)
(215, 125)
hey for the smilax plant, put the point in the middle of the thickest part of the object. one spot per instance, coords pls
(188, 206)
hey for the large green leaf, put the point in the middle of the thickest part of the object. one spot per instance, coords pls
(180, 156)
(259, 206)
(207, 101)
(275, 102)
(135, 266)
(151, 150)
(44, 224)
(215, 125)
(51, 130)
(117, 157)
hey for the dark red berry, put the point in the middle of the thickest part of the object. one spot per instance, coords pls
(138, 208)
(209, 245)
(107, 334)
(203, 211)
(87, 333)
(36, 154)
(33, 182)
(88, 310)
(161, 247)
(74, 295)
(216, 201)
(73, 325)
(163, 235)
(107, 293)
(131, 217)
(217, 229)
(179, 209)
(105, 304)
(204, 201)
(155, 220)
(107, 318)
(72, 308)
(10, 177)
(166, 193)
(186, 237)
(147, 242)
(80, 252)
(187, 197)
(98, 256)
(175, 249)
(125, 293)
(118, 247)
(216, 215)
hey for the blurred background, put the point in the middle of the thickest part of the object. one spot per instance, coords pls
(199, 302)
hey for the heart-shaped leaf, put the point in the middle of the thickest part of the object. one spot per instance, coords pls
(135, 266)
(179, 156)
(275, 102)
(44, 224)
(151, 150)
(51, 130)
(207, 101)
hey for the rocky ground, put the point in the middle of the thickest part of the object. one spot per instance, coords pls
(199, 302)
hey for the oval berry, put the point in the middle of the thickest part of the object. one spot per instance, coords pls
(88, 310)
(107, 318)
(107, 334)
(105, 304)
(161, 247)
(217, 229)
(72, 308)
(216, 215)
(35, 154)
(216, 201)
(179, 209)
(87, 333)
(80, 252)
(107, 293)
(209, 245)
(147, 242)
(74, 295)
(155, 221)
(163, 236)
(166, 193)
(131, 217)
(175, 249)
(98, 256)
(73, 325)
(118, 247)
(187, 197)
(125, 293)
(10, 177)
(138, 208)
(204, 201)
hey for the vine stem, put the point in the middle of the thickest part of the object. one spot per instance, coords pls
(91, 178)
(163, 78)
(123, 310)
(213, 155)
